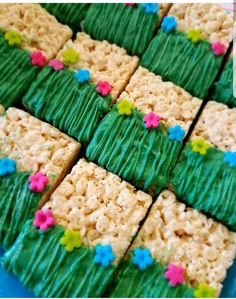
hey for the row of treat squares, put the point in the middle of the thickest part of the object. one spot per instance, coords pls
(159, 153)
(91, 233)
(187, 44)
(141, 136)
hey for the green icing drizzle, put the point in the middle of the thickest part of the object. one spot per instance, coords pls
(57, 97)
(133, 283)
(191, 66)
(142, 156)
(16, 73)
(128, 27)
(17, 204)
(223, 89)
(70, 14)
(45, 267)
(207, 183)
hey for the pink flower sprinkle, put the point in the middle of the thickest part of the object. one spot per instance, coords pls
(38, 182)
(56, 64)
(130, 4)
(151, 120)
(104, 88)
(174, 274)
(37, 58)
(218, 48)
(44, 219)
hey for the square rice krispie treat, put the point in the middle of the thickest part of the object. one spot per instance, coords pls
(71, 14)
(74, 100)
(17, 72)
(149, 93)
(34, 28)
(96, 216)
(105, 61)
(178, 252)
(128, 25)
(205, 176)
(223, 88)
(137, 147)
(34, 158)
(189, 48)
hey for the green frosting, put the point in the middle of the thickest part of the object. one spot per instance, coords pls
(70, 14)
(16, 73)
(151, 283)
(128, 27)
(207, 183)
(45, 267)
(57, 97)
(191, 66)
(17, 204)
(124, 146)
(223, 88)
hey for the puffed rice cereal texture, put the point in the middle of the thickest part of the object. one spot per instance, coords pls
(148, 93)
(40, 30)
(36, 146)
(105, 209)
(105, 61)
(213, 21)
(217, 125)
(177, 234)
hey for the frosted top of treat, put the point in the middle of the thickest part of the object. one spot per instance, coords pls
(187, 238)
(213, 21)
(105, 61)
(217, 125)
(40, 30)
(105, 209)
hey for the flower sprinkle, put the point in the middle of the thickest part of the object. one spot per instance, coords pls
(104, 255)
(44, 220)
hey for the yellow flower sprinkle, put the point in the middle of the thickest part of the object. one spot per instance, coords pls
(125, 107)
(204, 291)
(71, 240)
(200, 146)
(194, 35)
(13, 38)
(70, 56)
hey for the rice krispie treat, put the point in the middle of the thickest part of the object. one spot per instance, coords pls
(17, 72)
(71, 14)
(189, 48)
(105, 61)
(74, 100)
(137, 147)
(96, 216)
(178, 252)
(37, 30)
(223, 87)
(205, 176)
(149, 93)
(34, 158)
(128, 25)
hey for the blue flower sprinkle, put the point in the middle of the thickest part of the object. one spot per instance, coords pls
(230, 158)
(82, 76)
(168, 24)
(176, 133)
(7, 166)
(104, 255)
(150, 8)
(142, 258)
